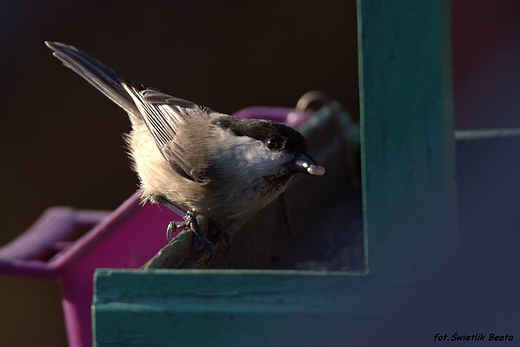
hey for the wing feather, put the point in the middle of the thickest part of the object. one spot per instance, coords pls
(163, 115)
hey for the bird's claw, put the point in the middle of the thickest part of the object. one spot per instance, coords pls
(190, 222)
(172, 228)
(205, 244)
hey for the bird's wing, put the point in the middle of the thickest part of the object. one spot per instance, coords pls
(165, 116)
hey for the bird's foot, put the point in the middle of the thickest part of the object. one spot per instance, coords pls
(192, 223)
(189, 222)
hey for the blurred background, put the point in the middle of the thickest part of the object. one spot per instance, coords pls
(61, 138)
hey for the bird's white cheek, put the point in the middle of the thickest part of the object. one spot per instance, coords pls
(247, 153)
(259, 158)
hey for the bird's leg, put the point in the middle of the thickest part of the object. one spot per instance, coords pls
(190, 221)
(193, 224)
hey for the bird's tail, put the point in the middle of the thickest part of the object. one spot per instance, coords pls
(106, 80)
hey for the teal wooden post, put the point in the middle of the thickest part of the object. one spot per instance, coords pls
(408, 163)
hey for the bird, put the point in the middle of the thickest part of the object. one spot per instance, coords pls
(196, 161)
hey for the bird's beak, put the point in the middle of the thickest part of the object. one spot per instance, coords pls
(304, 163)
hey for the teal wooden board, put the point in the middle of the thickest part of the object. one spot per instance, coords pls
(234, 307)
(408, 163)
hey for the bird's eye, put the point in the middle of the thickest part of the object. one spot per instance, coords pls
(272, 143)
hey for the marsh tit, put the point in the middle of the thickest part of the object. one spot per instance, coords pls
(191, 158)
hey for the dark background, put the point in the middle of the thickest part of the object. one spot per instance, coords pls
(62, 144)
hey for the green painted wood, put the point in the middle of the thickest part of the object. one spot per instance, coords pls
(234, 307)
(486, 134)
(408, 163)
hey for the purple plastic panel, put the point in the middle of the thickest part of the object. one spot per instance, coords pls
(45, 250)
(125, 238)
(287, 116)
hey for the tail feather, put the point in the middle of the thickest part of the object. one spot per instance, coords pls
(96, 73)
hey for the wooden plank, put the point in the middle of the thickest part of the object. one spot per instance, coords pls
(486, 134)
(408, 160)
(234, 307)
